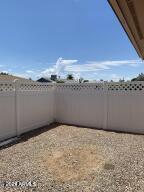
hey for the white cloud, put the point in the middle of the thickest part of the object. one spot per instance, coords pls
(30, 71)
(64, 66)
(89, 69)
(58, 68)
(92, 66)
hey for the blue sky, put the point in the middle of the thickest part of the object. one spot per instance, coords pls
(82, 37)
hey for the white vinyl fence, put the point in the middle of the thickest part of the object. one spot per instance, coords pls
(25, 106)
(81, 104)
(111, 106)
(7, 110)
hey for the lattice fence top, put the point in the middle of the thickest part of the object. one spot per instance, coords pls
(125, 86)
(128, 86)
(35, 86)
(6, 86)
(80, 86)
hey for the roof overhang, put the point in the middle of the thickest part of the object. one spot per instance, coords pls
(131, 15)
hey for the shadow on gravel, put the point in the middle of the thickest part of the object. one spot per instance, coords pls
(26, 136)
(107, 130)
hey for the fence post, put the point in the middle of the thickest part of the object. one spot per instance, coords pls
(16, 82)
(54, 102)
(105, 105)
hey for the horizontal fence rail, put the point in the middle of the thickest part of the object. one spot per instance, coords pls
(26, 105)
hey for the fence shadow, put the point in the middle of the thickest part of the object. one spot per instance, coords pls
(28, 135)
(102, 129)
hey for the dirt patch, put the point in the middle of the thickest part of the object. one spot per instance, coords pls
(73, 164)
(109, 166)
(74, 159)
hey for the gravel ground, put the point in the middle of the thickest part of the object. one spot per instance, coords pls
(68, 158)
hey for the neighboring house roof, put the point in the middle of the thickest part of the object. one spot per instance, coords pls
(131, 16)
(11, 78)
(44, 80)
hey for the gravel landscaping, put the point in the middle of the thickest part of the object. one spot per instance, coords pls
(76, 159)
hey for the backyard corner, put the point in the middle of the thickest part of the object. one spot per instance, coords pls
(69, 158)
